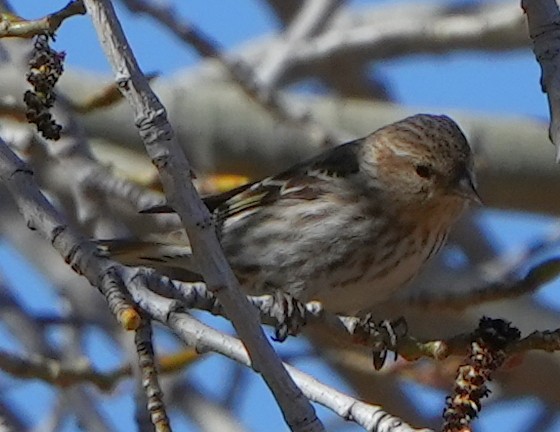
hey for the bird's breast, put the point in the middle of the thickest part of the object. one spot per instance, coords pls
(374, 273)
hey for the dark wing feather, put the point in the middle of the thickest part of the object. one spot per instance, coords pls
(215, 201)
(340, 161)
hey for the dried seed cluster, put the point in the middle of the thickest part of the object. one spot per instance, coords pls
(486, 354)
(45, 68)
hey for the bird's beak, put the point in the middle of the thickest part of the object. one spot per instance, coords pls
(465, 188)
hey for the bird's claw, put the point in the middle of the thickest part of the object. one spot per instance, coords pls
(289, 314)
(382, 336)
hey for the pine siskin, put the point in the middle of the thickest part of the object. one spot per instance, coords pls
(347, 227)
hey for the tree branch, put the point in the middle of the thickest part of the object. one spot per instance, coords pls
(543, 18)
(12, 26)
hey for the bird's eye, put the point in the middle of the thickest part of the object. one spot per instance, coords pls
(424, 171)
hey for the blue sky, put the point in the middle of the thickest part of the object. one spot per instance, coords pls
(486, 83)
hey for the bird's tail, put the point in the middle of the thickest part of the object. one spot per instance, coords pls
(172, 260)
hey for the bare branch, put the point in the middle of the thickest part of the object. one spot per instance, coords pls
(61, 374)
(12, 26)
(149, 377)
(483, 286)
(543, 17)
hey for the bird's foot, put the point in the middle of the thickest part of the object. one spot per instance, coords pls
(289, 314)
(381, 336)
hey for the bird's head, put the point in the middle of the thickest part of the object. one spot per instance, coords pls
(424, 162)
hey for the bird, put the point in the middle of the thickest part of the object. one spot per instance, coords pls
(348, 227)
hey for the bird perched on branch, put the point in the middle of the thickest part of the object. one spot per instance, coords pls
(347, 227)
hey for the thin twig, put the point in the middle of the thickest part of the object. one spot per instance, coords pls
(12, 26)
(149, 377)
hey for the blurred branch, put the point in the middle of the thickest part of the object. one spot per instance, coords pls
(85, 408)
(357, 81)
(189, 33)
(60, 374)
(10, 420)
(312, 17)
(107, 96)
(73, 153)
(237, 70)
(403, 30)
(358, 36)
(285, 10)
(93, 184)
(13, 26)
(543, 18)
(6, 7)
(20, 322)
(32, 336)
(515, 169)
(162, 147)
(208, 414)
(55, 373)
(505, 283)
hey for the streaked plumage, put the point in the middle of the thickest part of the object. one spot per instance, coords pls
(348, 227)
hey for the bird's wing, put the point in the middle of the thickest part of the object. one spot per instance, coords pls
(297, 182)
